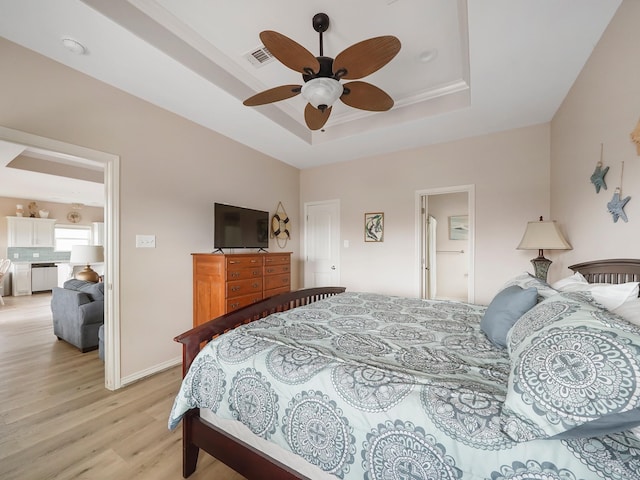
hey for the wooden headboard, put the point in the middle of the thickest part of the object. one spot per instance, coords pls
(617, 270)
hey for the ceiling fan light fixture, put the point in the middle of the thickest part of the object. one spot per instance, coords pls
(322, 91)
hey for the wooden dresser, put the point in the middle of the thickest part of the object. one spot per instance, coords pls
(223, 283)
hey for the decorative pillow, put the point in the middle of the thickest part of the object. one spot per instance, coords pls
(504, 310)
(575, 376)
(526, 280)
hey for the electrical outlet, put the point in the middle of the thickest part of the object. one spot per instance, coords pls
(145, 241)
(16, 255)
(36, 255)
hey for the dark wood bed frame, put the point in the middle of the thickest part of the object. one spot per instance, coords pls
(254, 464)
(198, 433)
(618, 270)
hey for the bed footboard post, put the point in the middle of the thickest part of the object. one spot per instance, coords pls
(189, 450)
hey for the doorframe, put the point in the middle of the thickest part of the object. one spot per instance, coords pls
(470, 190)
(111, 165)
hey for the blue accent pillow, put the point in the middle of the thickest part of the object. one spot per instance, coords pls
(505, 310)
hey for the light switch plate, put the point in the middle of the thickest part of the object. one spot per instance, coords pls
(145, 241)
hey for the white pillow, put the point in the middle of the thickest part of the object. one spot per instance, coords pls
(575, 278)
(610, 296)
(630, 311)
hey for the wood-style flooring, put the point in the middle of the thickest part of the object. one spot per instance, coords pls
(57, 421)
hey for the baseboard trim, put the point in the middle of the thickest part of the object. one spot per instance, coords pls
(128, 380)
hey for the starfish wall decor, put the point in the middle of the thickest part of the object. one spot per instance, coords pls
(597, 177)
(616, 205)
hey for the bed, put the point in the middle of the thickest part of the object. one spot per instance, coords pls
(544, 383)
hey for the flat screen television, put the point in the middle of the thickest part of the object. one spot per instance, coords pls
(239, 227)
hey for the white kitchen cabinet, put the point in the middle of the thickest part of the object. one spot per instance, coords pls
(21, 279)
(30, 232)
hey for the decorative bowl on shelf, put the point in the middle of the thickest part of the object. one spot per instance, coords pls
(44, 213)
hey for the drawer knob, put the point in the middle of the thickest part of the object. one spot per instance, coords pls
(235, 289)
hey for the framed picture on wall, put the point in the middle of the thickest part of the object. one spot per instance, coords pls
(459, 227)
(373, 227)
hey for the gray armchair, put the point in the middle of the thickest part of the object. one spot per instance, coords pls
(78, 313)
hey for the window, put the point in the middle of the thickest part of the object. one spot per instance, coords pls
(65, 236)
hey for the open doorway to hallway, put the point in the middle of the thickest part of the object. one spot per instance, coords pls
(446, 230)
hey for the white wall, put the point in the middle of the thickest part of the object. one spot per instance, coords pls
(510, 171)
(171, 173)
(602, 107)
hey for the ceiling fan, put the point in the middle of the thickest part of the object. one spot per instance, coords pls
(322, 74)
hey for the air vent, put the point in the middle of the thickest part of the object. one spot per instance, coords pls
(259, 56)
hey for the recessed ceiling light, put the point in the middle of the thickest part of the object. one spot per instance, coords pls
(74, 46)
(428, 55)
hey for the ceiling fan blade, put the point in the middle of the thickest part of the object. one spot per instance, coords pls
(273, 95)
(290, 53)
(366, 57)
(315, 118)
(365, 96)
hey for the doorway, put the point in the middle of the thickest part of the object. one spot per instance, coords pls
(446, 243)
(111, 165)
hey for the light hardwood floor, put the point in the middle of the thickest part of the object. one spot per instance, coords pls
(57, 421)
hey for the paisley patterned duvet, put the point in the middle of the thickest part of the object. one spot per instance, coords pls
(375, 387)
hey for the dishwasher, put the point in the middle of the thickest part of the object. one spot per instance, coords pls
(44, 276)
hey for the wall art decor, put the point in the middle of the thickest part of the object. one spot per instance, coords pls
(459, 227)
(280, 226)
(374, 227)
(617, 203)
(597, 177)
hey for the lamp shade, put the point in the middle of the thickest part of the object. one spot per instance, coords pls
(322, 91)
(87, 254)
(543, 235)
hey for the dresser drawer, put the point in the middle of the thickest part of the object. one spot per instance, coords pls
(276, 269)
(277, 259)
(239, 302)
(244, 273)
(277, 281)
(276, 291)
(244, 287)
(243, 261)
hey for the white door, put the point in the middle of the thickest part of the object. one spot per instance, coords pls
(322, 244)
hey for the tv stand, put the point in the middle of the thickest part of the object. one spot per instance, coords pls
(218, 250)
(262, 250)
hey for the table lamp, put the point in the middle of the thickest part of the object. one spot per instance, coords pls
(86, 255)
(539, 236)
